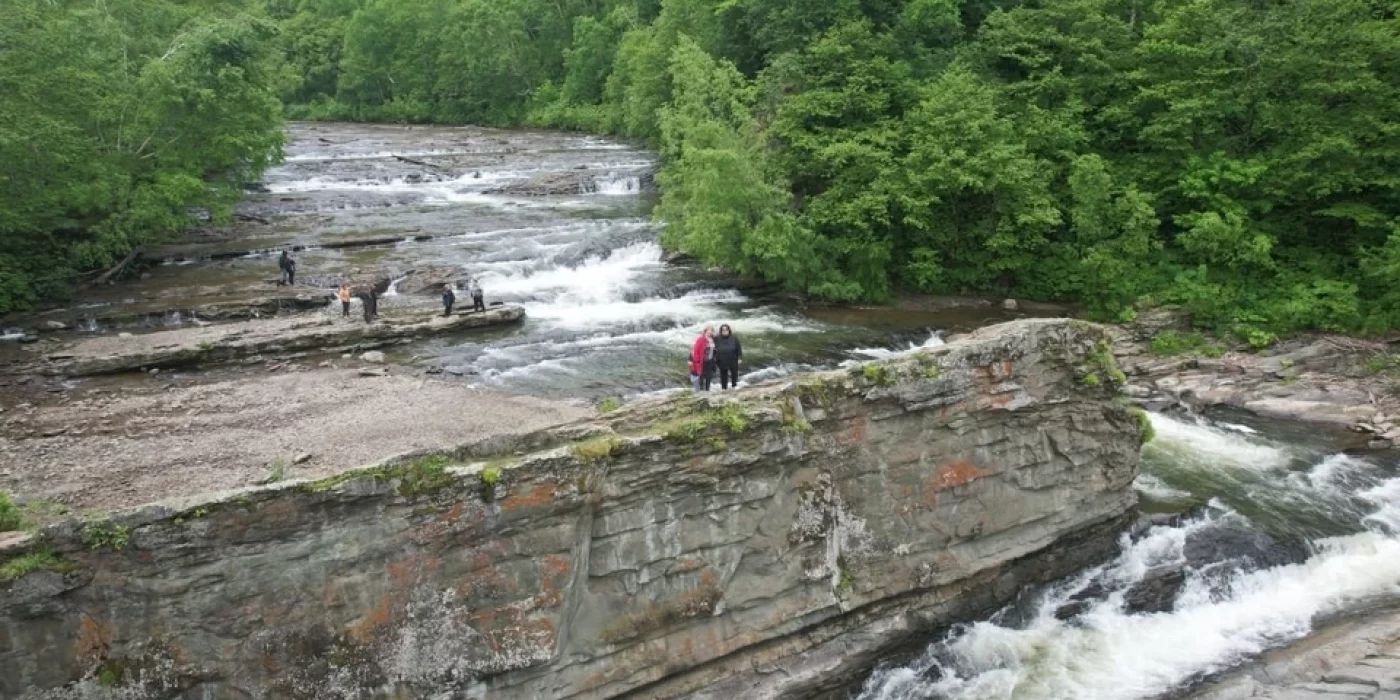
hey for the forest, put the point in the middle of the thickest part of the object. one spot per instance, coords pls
(1236, 158)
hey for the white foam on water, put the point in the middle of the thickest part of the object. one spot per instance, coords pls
(1153, 487)
(375, 155)
(596, 280)
(1238, 428)
(934, 340)
(1217, 621)
(1337, 475)
(393, 289)
(1211, 445)
(613, 184)
(1386, 497)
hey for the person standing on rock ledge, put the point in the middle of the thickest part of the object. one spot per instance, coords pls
(702, 358)
(477, 303)
(344, 301)
(369, 300)
(289, 269)
(448, 298)
(728, 353)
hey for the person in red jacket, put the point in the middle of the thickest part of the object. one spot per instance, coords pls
(702, 357)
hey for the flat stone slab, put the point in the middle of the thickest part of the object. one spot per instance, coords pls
(1354, 660)
(223, 343)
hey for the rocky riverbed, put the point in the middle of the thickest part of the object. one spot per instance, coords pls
(1333, 382)
(1354, 659)
(201, 374)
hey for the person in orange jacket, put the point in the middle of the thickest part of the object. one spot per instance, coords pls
(345, 301)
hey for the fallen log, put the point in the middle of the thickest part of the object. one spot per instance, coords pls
(116, 269)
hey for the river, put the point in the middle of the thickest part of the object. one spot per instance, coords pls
(1261, 529)
(605, 315)
(1278, 532)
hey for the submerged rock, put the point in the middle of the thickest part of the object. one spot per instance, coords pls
(431, 280)
(550, 184)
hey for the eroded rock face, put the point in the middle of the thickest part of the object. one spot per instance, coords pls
(681, 547)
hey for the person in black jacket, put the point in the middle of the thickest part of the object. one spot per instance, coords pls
(728, 353)
(448, 298)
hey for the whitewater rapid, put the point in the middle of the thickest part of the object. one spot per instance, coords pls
(1228, 610)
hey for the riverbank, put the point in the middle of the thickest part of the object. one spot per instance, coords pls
(1330, 381)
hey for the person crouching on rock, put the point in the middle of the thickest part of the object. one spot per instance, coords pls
(344, 295)
(448, 299)
(702, 355)
(477, 303)
(728, 353)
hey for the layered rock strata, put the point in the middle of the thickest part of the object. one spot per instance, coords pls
(765, 543)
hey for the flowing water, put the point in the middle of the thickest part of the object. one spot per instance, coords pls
(1278, 531)
(605, 314)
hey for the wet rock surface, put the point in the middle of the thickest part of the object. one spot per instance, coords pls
(678, 547)
(1334, 381)
(205, 346)
(1357, 659)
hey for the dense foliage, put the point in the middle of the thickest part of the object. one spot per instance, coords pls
(1236, 157)
(121, 123)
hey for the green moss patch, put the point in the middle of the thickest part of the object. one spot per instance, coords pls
(42, 560)
(421, 476)
(1100, 368)
(733, 418)
(598, 449)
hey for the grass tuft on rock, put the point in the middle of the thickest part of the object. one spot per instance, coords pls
(41, 560)
(598, 449)
(10, 516)
(1171, 343)
(1100, 368)
(104, 534)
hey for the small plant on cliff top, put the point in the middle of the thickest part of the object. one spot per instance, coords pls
(1145, 424)
(424, 475)
(1169, 343)
(609, 405)
(731, 416)
(277, 472)
(10, 518)
(1099, 367)
(42, 560)
(490, 476)
(598, 449)
(98, 535)
(879, 375)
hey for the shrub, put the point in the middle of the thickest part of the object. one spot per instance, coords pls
(10, 517)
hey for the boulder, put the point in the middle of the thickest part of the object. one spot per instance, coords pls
(431, 280)
(550, 184)
(374, 357)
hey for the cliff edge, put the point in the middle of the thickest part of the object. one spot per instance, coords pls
(766, 543)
